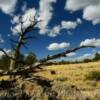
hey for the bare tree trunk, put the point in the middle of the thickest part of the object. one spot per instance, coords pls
(12, 64)
(16, 53)
(15, 56)
(14, 59)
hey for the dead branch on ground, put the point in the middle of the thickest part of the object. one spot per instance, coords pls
(33, 69)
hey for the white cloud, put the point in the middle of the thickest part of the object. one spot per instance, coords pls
(8, 6)
(58, 46)
(64, 25)
(16, 29)
(89, 7)
(90, 42)
(15, 19)
(70, 24)
(91, 13)
(29, 15)
(74, 5)
(55, 31)
(45, 13)
(79, 4)
(1, 39)
(27, 19)
(71, 54)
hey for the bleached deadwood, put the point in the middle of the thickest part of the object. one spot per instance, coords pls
(33, 69)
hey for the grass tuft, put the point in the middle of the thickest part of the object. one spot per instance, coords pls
(93, 75)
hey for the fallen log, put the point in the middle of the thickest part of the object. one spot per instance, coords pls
(63, 54)
(33, 69)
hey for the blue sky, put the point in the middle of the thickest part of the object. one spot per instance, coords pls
(66, 24)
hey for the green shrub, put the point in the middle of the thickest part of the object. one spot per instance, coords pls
(94, 75)
(86, 60)
(96, 57)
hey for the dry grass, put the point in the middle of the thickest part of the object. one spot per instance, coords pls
(4, 78)
(64, 77)
(75, 74)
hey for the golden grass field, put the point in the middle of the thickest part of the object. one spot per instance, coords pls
(75, 74)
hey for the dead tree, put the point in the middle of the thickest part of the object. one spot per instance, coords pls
(22, 37)
(31, 69)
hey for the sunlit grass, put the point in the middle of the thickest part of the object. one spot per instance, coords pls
(4, 78)
(75, 74)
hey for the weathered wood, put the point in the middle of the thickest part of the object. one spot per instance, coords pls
(63, 54)
(32, 69)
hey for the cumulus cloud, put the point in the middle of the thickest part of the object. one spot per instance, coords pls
(64, 25)
(75, 5)
(8, 6)
(45, 13)
(90, 42)
(15, 19)
(89, 8)
(16, 29)
(71, 54)
(70, 24)
(27, 19)
(58, 46)
(91, 13)
(29, 15)
(55, 31)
